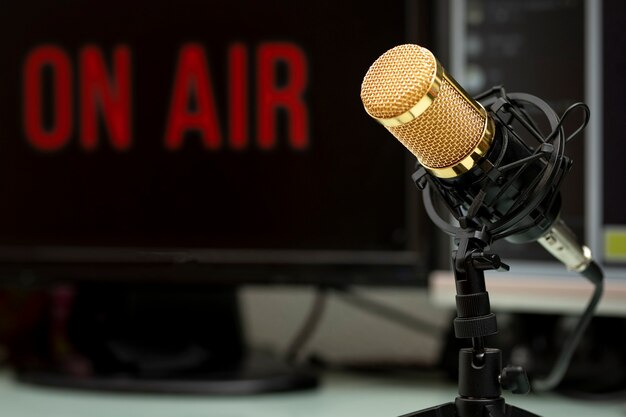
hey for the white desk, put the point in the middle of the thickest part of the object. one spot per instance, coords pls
(340, 396)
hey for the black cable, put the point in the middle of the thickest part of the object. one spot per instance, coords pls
(554, 378)
(389, 313)
(312, 321)
(586, 116)
(318, 307)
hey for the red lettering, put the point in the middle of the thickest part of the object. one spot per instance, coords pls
(238, 96)
(289, 96)
(57, 136)
(192, 80)
(110, 94)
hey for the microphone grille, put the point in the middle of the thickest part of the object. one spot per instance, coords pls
(447, 133)
(398, 80)
(408, 91)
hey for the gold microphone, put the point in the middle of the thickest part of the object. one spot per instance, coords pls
(407, 90)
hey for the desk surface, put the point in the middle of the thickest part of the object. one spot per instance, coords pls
(340, 395)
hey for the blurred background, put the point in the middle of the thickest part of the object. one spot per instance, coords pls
(192, 191)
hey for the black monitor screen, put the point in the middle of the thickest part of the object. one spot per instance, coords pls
(209, 125)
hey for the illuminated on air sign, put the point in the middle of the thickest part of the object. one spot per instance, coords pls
(104, 94)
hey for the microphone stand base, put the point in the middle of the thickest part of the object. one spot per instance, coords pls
(459, 408)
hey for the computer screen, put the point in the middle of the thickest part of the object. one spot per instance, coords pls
(202, 134)
(563, 52)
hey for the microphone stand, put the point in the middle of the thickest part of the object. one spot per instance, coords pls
(481, 376)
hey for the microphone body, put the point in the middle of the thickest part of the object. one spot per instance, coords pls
(463, 151)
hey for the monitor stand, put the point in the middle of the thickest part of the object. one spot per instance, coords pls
(153, 338)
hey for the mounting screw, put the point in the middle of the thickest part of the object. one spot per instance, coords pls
(514, 379)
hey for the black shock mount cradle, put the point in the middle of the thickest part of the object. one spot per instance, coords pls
(481, 376)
